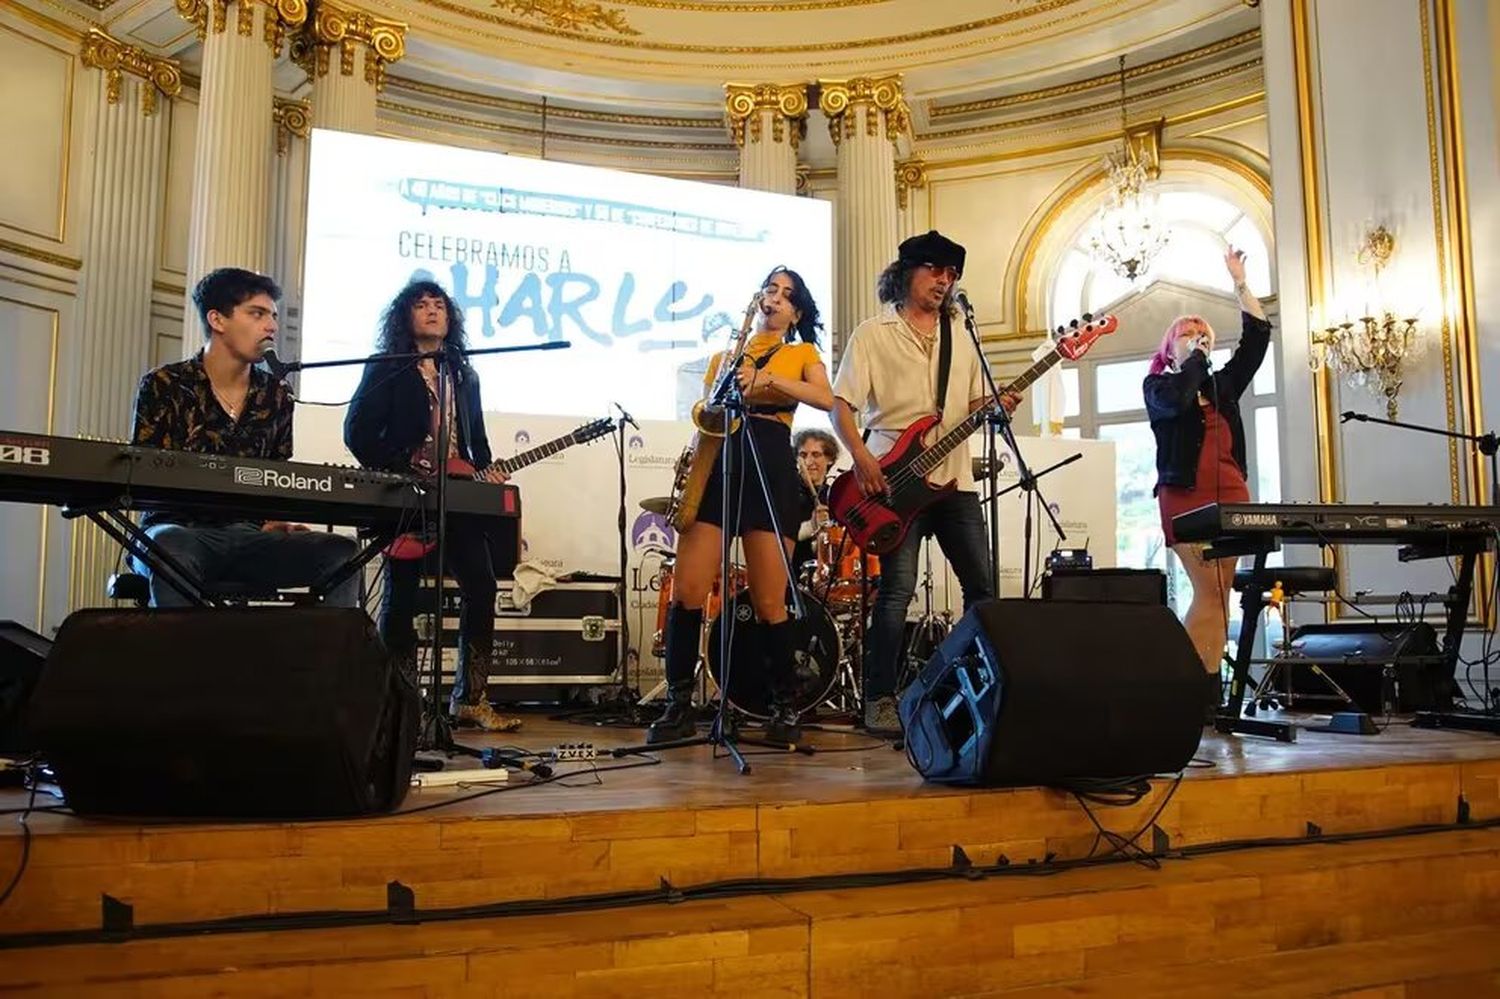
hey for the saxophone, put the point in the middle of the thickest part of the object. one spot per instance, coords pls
(696, 463)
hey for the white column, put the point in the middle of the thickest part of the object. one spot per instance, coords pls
(346, 50)
(288, 235)
(768, 121)
(232, 161)
(865, 118)
(127, 147)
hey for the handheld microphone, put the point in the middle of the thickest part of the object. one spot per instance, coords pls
(627, 417)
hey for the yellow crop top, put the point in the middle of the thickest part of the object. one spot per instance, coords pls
(788, 362)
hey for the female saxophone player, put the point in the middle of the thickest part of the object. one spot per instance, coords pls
(775, 374)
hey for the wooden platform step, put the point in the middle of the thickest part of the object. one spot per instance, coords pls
(192, 872)
(1408, 917)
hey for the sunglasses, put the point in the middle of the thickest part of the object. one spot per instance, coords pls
(950, 272)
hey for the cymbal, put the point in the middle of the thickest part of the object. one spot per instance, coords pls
(657, 505)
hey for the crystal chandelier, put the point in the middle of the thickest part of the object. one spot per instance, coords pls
(1128, 233)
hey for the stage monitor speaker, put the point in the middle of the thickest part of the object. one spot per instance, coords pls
(1427, 685)
(256, 712)
(22, 653)
(1029, 692)
(1136, 586)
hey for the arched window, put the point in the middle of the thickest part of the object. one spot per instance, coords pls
(1201, 225)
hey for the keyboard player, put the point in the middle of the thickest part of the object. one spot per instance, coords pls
(218, 402)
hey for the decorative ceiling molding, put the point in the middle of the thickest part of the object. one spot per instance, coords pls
(574, 16)
(162, 76)
(490, 125)
(938, 111)
(714, 123)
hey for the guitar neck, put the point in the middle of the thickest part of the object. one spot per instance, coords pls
(517, 462)
(934, 455)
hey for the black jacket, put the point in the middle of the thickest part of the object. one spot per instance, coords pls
(1177, 419)
(388, 417)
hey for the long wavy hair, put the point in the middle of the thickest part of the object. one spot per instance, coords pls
(894, 284)
(395, 335)
(807, 327)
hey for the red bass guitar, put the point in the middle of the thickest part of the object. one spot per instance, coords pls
(879, 523)
(417, 545)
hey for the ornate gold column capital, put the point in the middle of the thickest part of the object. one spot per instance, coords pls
(911, 174)
(292, 118)
(744, 102)
(281, 17)
(336, 25)
(879, 97)
(162, 76)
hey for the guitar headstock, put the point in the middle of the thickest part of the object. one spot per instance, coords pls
(593, 431)
(1075, 339)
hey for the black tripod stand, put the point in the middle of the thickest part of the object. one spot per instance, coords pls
(435, 733)
(722, 731)
(1487, 720)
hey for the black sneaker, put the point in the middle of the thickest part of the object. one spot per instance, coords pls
(782, 725)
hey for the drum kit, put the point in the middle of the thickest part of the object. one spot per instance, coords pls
(837, 589)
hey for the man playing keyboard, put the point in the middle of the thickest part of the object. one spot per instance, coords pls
(218, 402)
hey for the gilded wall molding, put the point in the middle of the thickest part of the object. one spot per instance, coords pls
(337, 26)
(489, 124)
(1111, 80)
(911, 175)
(161, 76)
(43, 256)
(282, 16)
(293, 119)
(876, 98)
(570, 15)
(787, 104)
(499, 103)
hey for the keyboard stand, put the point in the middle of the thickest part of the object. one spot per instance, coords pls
(1231, 719)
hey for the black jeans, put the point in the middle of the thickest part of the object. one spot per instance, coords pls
(466, 551)
(958, 525)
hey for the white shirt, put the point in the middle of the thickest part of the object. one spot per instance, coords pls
(881, 377)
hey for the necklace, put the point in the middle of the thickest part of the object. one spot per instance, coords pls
(229, 407)
(924, 340)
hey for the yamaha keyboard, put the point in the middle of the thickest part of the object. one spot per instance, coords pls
(69, 472)
(1338, 523)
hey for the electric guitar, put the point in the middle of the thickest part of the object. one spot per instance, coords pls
(417, 545)
(879, 523)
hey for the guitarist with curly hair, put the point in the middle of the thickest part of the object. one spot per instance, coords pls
(898, 367)
(392, 424)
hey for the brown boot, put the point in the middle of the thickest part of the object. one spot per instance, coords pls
(468, 703)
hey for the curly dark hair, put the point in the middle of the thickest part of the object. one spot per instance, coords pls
(807, 327)
(894, 282)
(395, 335)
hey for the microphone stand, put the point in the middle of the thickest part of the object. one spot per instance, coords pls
(999, 420)
(1487, 720)
(620, 518)
(434, 733)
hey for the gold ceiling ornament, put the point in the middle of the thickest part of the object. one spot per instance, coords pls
(338, 26)
(115, 58)
(570, 15)
(281, 16)
(911, 174)
(292, 118)
(878, 98)
(787, 103)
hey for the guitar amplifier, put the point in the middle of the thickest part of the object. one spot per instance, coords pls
(568, 636)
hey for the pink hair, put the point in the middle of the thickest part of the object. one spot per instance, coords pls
(1164, 356)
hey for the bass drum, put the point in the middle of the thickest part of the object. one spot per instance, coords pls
(819, 651)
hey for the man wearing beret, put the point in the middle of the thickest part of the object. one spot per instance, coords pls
(889, 375)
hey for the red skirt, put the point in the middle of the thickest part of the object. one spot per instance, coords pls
(1219, 478)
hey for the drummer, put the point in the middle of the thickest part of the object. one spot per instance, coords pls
(817, 450)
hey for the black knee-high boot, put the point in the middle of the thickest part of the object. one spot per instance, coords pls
(781, 646)
(683, 630)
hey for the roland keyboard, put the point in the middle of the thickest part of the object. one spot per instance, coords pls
(69, 472)
(1338, 523)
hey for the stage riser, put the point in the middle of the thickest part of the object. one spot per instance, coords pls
(1415, 916)
(183, 872)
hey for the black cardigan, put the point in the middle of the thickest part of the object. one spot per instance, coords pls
(1177, 419)
(390, 413)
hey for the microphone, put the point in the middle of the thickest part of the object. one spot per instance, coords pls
(277, 366)
(628, 418)
(962, 298)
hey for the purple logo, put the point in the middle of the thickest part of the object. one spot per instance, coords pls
(651, 530)
(523, 437)
(637, 442)
(1056, 509)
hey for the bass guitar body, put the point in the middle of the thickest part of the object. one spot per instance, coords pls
(879, 523)
(409, 547)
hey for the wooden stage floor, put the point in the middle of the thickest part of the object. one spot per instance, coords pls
(853, 806)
